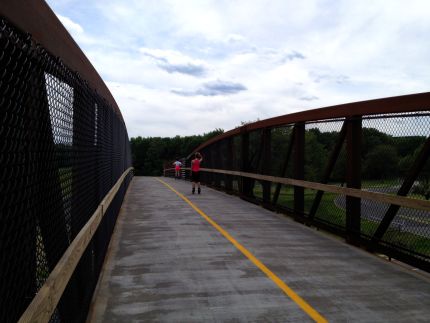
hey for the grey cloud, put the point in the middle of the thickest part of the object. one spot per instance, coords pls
(320, 77)
(221, 87)
(339, 79)
(342, 79)
(183, 92)
(309, 98)
(214, 88)
(157, 58)
(189, 69)
(293, 55)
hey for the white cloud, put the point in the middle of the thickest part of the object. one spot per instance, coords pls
(236, 61)
(70, 25)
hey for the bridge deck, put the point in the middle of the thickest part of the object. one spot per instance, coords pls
(167, 263)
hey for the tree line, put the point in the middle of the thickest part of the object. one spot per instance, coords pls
(383, 156)
(151, 154)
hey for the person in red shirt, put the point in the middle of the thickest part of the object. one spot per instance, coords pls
(195, 171)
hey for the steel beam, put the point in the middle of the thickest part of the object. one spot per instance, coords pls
(266, 163)
(353, 178)
(299, 167)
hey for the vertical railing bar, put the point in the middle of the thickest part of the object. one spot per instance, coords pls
(299, 169)
(353, 178)
(229, 164)
(266, 163)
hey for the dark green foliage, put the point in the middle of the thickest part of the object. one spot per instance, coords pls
(315, 155)
(406, 146)
(381, 163)
(152, 154)
(383, 156)
(373, 138)
(281, 139)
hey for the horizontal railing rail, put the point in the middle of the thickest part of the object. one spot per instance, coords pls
(374, 196)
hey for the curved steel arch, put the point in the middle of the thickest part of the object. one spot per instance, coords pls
(398, 104)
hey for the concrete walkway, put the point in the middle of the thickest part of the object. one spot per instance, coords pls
(166, 263)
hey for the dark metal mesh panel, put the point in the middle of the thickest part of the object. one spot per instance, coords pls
(253, 163)
(281, 165)
(280, 142)
(320, 142)
(391, 146)
(62, 148)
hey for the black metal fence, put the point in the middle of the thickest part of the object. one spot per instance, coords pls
(380, 148)
(62, 147)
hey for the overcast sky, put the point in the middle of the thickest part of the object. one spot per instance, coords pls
(188, 67)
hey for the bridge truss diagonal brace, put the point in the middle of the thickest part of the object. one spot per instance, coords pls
(404, 189)
(329, 168)
(284, 167)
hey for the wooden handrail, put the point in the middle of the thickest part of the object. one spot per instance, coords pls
(44, 303)
(374, 196)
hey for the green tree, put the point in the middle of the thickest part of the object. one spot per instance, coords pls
(150, 155)
(422, 186)
(315, 156)
(381, 162)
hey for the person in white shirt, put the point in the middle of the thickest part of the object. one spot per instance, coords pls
(177, 165)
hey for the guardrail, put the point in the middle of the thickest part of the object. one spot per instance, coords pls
(360, 170)
(63, 146)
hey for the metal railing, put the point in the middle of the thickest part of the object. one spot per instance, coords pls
(360, 170)
(63, 145)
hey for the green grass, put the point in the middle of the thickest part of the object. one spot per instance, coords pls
(380, 183)
(325, 209)
(408, 241)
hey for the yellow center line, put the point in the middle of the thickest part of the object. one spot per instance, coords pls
(287, 290)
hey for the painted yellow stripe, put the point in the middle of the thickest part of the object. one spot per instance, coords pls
(287, 290)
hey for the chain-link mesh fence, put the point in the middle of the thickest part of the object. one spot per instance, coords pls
(62, 148)
(381, 153)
